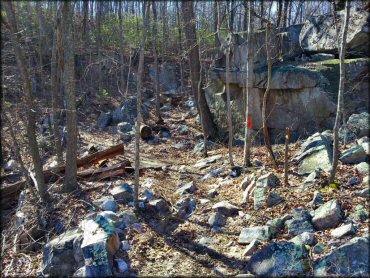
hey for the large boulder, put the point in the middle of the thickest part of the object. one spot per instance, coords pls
(349, 260)
(356, 154)
(315, 153)
(262, 233)
(226, 208)
(280, 259)
(167, 76)
(127, 112)
(61, 255)
(300, 222)
(357, 126)
(327, 215)
(319, 33)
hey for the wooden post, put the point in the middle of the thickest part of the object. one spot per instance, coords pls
(287, 140)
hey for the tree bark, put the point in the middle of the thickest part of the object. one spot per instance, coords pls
(26, 82)
(192, 45)
(139, 93)
(156, 67)
(180, 48)
(122, 70)
(340, 107)
(285, 13)
(84, 21)
(280, 9)
(266, 95)
(287, 140)
(249, 87)
(98, 45)
(70, 182)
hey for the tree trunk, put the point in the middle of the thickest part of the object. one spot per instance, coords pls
(340, 107)
(180, 48)
(280, 9)
(84, 21)
(98, 45)
(31, 126)
(70, 181)
(287, 140)
(164, 29)
(285, 13)
(262, 10)
(266, 95)
(156, 67)
(217, 42)
(140, 73)
(192, 45)
(55, 88)
(122, 70)
(249, 87)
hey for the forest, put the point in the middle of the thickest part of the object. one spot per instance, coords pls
(185, 138)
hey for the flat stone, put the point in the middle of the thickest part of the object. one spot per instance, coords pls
(268, 181)
(207, 241)
(273, 199)
(349, 260)
(317, 199)
(251, 248)
(355, 154)
(276, 225)
(226, 208)
(364, 193)
(247, 235)
(160, 205)
(123, 193)
(363, 168)
(259, 197)
(360, 214)
(343, 231)
(247, 180)
(300, 223)
(203, 163)
(279, 259)
(213, 173)
(216, 219)
(304, 238)
(327, 215)
(187, 188)
(185, 207)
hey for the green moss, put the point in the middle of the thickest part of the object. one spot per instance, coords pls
(346, 61)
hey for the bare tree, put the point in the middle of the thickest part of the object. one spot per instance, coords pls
(156, 67)
(267, 92)
(30, 112)
(140, 73)
(340, 108)
(122, 71)
(249, 86)
(70, 181)
(194, 61)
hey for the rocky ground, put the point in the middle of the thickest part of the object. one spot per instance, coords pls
(197, 216)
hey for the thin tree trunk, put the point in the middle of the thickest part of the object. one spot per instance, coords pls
(205, 139)
(139, 92)
(42, 52)
(340, 107)
(217, 42)
(164, 29)
(249, 88)
(31, 126)
(128, 74)
(287, 140)
(70, 181)
(55, 88)
(262, 10)
(84, 21)
(156, 67)
(285, 13)
(180, 48)
(122, 70)
(290, 12)
(266, 95)
(194, 61)
(98, 45)
(280, 9)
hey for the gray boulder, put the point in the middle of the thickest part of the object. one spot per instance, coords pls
(185, 207)
(123, 193)
(10, 165)
(363, 168)
(61, 255)
(251, 248)
(360, 214)
(317, 199)
(280, 259)
(318, 34)
(167, 76)
(104, 120)
(124, 127)
(350, 259)
(355, 154)
(225, 208)
(273, 199)
(328, 215)
(300, 223)
(213, 173)
(357, 126)
(127, 112)
(304, 238)
(262, 233)
(187, 188)
(259, 197)
(268, 181)
(216, 219)
(343, 231)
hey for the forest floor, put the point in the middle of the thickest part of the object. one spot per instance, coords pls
(169, 247)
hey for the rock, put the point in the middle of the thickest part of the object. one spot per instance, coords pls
(353, 181)
(148, 183)
(125, 245)
(190, 103)
(106, 203)
(203, 163)
(127, 217)
(110, 215)
(149, 195)
(165, 134)
(185, 207)
(317, 199)
(357, 126)
(81, 272)
(268, 181)
(213, 173)
(350, 259)
(262, 233)
(343, 231)
(122, 266)
(182, 129)
(104, 120)
(327, 215)
(219, 270)
(322, 57)
(316, 34)
(363, 168)
(355, 154)
(198, 148)
(314, 175)
(123, 193)
(300, 223)
(212, 193)
(273, 199)
(360, 214)
(236, 171)
(280, 259)
(187, 188)
(276, 225)
(225, 208)
(124, 127)
(259, 197)
(319, 248)
(207, 241)
(304, 238)
(251, 248)
(258, 163)
(10, 165)
(59, 254)
(216, 219)
(160, 205)
(181, 146)
(364, 193)
(247, 180)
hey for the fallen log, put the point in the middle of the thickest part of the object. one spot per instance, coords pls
(10, 192)
(105, 172)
